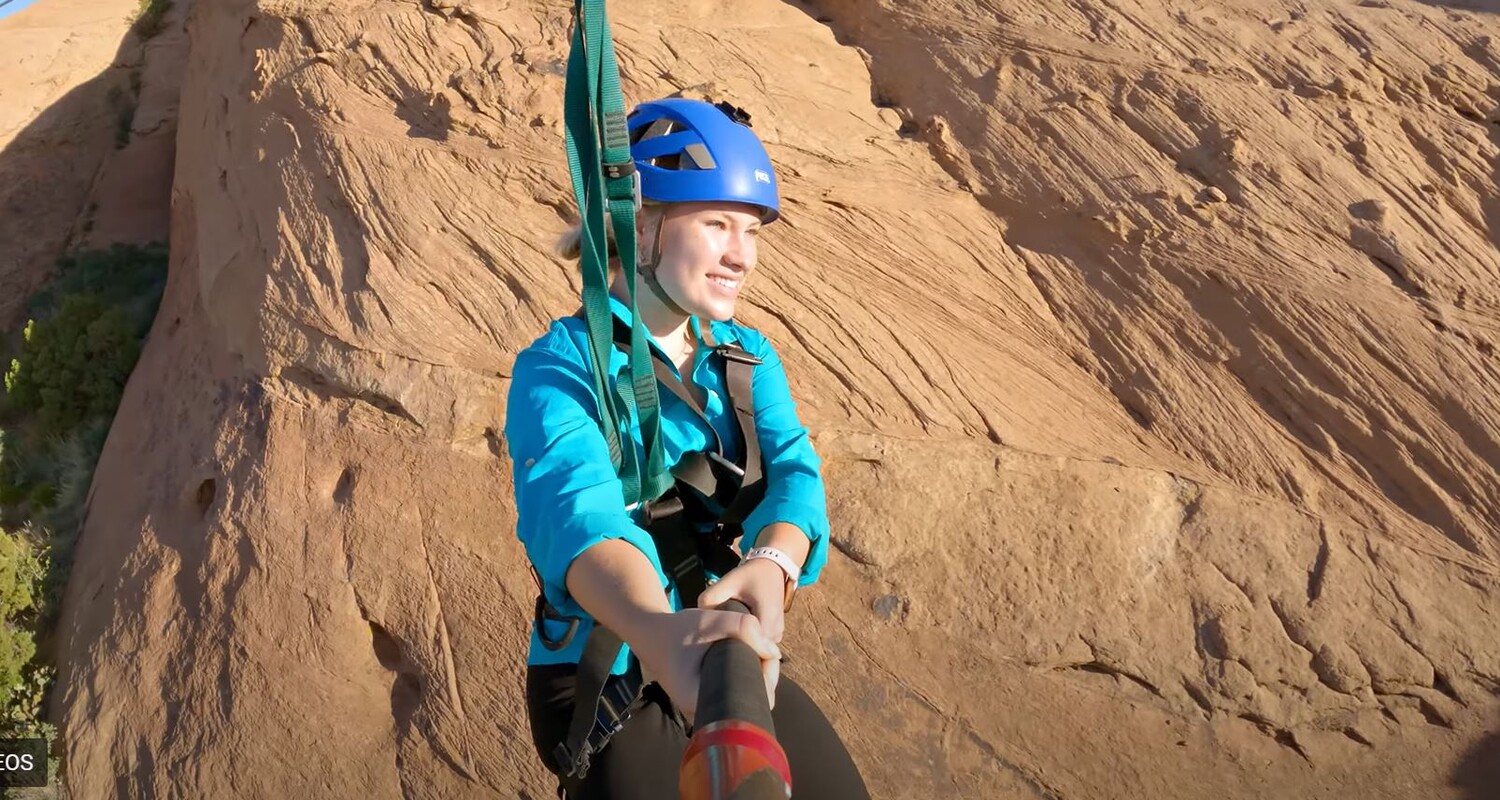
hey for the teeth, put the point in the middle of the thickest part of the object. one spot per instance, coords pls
(725, 282)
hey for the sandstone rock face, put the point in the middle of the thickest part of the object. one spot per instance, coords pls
(1150, 350)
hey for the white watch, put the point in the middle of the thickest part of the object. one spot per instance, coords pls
(780, 559)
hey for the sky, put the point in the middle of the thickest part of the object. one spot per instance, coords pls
(8, 7)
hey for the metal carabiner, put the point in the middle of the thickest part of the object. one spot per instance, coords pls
(545, 611)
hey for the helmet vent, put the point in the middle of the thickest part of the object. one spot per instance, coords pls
(661, 127)
(697, 155)
(692, 156)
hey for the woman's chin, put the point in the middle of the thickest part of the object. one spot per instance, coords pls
(718, 309)
(719, 312)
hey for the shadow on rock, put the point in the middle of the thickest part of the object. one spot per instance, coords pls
(48, 170)
(1483, 6)
(1478, 775)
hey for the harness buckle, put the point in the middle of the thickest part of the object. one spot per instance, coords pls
(661, 508)
(737, 354)
(616, 706)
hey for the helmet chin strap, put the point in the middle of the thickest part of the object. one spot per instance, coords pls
(649, 272)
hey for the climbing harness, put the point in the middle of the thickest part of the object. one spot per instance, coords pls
(707, 486)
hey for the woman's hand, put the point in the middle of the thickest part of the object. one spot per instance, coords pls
(671, 649)
(759, 584)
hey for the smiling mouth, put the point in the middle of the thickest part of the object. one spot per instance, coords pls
(726, 283)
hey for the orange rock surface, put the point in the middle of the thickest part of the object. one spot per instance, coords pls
(1150, 349)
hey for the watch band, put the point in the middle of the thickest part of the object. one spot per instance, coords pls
(779, 558)
(788, 567)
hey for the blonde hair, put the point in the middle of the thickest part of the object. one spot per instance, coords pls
(569, 245)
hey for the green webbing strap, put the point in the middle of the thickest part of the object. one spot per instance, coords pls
(598, 147)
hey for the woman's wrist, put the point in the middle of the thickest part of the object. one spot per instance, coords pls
(787, 538)
(642, 632)
(776, 566)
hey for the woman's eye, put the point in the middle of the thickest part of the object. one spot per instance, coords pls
(717, 223)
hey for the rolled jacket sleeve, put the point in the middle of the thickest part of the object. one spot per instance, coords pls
(568, 497)
(794, 481)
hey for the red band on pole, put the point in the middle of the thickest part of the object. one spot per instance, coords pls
(724, 754)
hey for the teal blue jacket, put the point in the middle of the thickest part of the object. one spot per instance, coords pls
(568, 497)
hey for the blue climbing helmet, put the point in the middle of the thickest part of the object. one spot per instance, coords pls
(691, 150)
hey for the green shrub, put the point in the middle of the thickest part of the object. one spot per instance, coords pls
(42, 496)
(66, 373)
(11, 492)
(24, 680)
(23, 467)
(124, 125)
(24, 716)
(71, 460)
(130, 277)
(73, 367)
(21, 571)
(123, 103)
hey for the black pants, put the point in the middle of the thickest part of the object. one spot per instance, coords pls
(641, 762)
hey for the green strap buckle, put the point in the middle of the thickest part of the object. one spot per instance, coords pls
(615, 177)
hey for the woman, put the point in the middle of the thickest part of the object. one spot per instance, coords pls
(708, 187)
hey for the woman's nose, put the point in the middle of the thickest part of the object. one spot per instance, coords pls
(741, 251)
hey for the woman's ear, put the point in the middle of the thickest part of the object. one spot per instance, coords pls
(648, 222)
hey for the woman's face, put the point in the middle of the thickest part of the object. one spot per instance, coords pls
(707, 252)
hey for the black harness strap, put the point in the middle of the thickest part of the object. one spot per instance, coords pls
(612, 700)
(739, 372)
(697, 471)
(676, 386)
